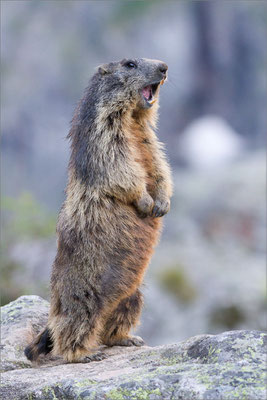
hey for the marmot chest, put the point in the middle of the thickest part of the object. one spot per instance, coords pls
(143, 145)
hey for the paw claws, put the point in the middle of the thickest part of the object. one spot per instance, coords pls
(94, 357)
(131, 341)
(160, 210)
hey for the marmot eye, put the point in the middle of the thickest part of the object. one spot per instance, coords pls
(130, 64)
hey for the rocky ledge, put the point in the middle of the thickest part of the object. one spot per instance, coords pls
(230, 365)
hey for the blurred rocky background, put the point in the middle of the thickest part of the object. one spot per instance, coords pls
(208, 273)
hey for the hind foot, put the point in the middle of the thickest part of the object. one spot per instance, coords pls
(99, 356)
(130, 341)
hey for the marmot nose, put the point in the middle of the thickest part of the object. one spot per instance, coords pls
(163, 68)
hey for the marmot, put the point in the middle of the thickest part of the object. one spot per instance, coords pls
(119, 184)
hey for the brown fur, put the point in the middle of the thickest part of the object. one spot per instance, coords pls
(107, 229)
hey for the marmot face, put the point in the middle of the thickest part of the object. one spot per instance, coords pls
(137, 81)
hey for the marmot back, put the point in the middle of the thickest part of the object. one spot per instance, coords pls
(119, 186)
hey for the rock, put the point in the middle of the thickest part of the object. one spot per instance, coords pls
(225, 366)
(20, 320)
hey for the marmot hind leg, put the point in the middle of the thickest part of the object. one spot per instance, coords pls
(75, 329)
(73, 340)
(123, 318)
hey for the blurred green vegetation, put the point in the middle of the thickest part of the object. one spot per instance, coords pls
(130, 9)
(174, 280)
(9, 270)
(227, 317)
(23, 219)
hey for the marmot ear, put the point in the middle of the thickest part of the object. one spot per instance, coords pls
(105, 69)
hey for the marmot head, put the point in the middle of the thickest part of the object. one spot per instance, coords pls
(133, 81)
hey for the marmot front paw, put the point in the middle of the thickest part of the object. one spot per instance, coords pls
(161, 207)
(145, 205)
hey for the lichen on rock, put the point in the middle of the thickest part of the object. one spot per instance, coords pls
(226, 366)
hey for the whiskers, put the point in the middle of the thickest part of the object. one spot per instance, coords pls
(172, 82)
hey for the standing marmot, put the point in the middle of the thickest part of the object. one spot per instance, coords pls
(118, 185)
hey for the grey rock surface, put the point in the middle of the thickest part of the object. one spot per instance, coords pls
(229, 365)
(20, 320)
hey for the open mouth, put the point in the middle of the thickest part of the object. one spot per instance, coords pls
(149, 92)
